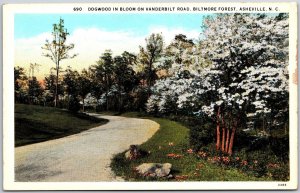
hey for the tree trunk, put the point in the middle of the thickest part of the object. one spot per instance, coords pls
(227, 141)
(223, 135)
(218, 131)
(218, 137)
(231, 141)
(56, 85)
(223, 139)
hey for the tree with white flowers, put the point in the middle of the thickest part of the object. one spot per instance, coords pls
(175, 92)
(249, 54)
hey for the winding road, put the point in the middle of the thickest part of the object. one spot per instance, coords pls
(83, 157)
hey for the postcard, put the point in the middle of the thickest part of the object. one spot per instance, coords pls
(140, 96)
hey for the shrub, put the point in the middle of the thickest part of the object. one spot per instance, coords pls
(74, 105)
(280, 147)
(259, 161)
(202, 133)
(279, 172)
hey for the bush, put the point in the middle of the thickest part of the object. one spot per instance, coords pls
(279, 172)
(280, 147)
(74, 105)
(262, 163)
(202, 133)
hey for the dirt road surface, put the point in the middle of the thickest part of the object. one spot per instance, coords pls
(83, 157)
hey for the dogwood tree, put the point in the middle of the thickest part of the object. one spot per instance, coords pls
(176, 92)
(249, 54)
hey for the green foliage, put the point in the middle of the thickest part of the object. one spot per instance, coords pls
(83, 85)
(34, 90)
(201, 136)
(19, 74)
(70, 81)
(20, 83)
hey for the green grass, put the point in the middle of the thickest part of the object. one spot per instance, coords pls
(195, 168)
(36, 123)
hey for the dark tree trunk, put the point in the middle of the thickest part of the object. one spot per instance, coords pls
(56, 85)
(218, 130)
(223, 135)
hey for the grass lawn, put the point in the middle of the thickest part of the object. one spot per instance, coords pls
(36, 123)
(189, 167)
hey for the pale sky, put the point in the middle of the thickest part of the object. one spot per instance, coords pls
(92, 34)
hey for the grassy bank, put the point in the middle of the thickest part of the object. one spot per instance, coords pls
(172, 138)
(36, 123)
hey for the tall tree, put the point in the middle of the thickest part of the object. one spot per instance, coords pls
(58, 50)
(124, 76)
(105, 72)
(149, 56)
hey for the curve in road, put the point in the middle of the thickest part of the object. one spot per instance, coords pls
(83, 157)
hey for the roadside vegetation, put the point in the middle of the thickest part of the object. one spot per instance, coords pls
(170, 144)
(35, 124)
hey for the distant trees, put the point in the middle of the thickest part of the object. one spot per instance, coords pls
(70, 87)
(35, 90)
(51, 87)
(27, 90)
(21, 84)
(83, 86)
(113, 79)
(57, 50)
